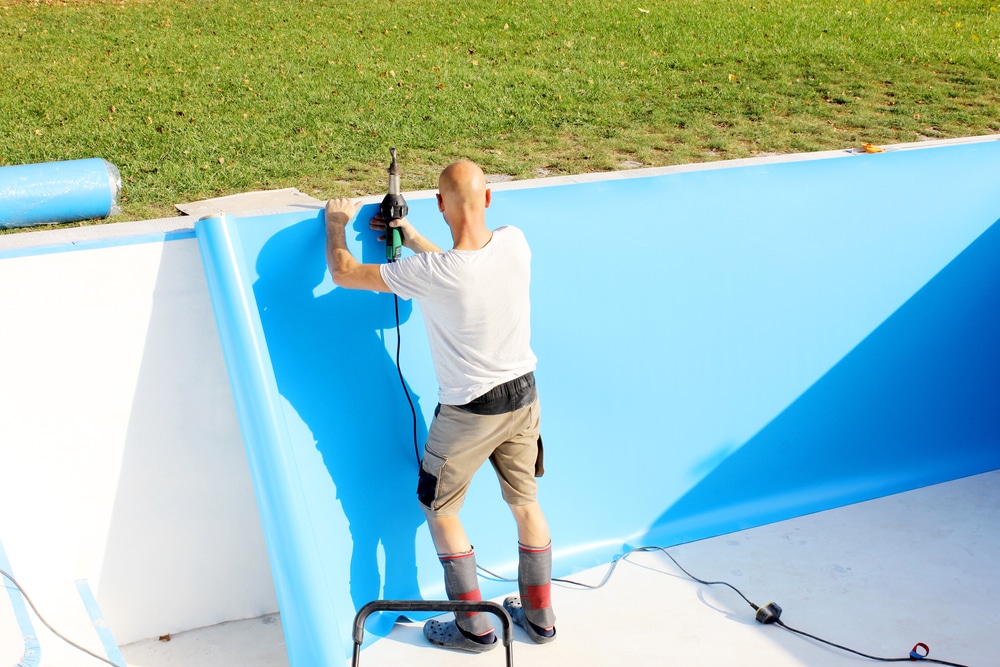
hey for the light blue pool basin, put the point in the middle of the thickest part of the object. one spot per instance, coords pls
(718, 349)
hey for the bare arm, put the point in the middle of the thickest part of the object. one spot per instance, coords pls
(412, 239)
(345, 269)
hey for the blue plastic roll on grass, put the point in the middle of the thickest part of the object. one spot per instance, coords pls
(52, 192)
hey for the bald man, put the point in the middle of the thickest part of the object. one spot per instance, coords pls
(474, 299)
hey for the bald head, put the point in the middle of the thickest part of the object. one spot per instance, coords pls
(463, 199)
(462, 184)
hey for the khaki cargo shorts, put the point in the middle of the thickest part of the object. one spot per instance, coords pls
(460, 442)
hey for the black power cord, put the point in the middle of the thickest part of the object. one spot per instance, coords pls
(767, 614)
(6, 575)
(402, 382)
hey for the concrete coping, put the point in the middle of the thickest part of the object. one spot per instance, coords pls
(287, 200)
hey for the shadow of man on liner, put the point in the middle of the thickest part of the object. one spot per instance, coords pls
(333, 367)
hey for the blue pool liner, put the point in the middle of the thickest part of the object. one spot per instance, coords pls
(718, 349)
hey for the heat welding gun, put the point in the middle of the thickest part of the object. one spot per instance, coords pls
(393, 207)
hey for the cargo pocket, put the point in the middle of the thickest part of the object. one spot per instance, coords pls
(429, 479)
(426, 488)
(540, 459)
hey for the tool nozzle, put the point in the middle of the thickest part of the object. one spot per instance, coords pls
(393, 167)
(393, 173)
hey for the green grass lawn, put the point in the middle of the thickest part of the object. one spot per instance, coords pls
(199, 99)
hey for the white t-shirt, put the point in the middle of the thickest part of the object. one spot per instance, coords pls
(476, 308)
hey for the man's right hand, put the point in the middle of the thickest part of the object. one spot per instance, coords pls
(378, 223)
(411, 237)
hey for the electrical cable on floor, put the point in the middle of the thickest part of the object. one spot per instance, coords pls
(564, 582)
(768, 614)
(413, 411)
(31, 604)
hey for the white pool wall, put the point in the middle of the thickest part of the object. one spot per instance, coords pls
(121, 454)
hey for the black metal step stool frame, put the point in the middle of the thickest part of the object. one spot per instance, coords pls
(497, 610)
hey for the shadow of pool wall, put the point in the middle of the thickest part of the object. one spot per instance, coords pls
(718, 349)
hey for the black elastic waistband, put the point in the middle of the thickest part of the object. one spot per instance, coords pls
(507, 397)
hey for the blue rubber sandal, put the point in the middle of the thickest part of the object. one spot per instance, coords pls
(447, 635)
(516, 611)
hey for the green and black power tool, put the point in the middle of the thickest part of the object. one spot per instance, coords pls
(393, 207)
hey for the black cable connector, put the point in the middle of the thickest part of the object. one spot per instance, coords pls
(769, 613)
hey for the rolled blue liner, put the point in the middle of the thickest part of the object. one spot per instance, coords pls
(323, 569)
(51, 192)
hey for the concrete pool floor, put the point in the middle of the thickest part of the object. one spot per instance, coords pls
(878, 577)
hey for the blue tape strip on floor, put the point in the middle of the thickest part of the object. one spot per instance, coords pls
(32, 649)
(100, 624)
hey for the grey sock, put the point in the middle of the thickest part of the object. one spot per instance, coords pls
(462, 583)
(534, 579)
